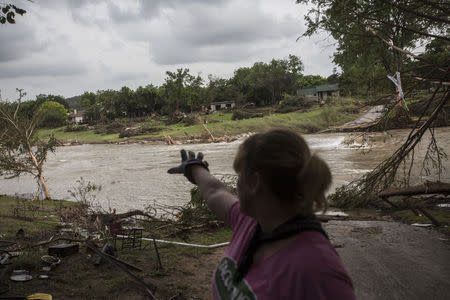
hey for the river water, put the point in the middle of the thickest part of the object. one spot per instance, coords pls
(134, 175)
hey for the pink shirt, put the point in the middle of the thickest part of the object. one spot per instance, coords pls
(308, 268)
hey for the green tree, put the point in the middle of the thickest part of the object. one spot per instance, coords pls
(194, 92)
(175, 92)
(147, 100)
(21, 150)
(264, 84)
(53, 114)
(8, 13)
(91, 106)
(375, 35)
(220, 90)
(311, 80)
(55, 98)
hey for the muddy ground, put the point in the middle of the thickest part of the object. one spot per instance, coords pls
(390, 260)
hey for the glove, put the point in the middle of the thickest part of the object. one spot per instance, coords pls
(187, 162)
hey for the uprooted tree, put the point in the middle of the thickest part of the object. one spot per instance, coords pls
(21, 150)
(384, 33)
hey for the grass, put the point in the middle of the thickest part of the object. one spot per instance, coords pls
(442, 215)
(87, 136)
(221, 124)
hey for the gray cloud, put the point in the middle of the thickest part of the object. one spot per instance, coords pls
(223, 34)
(18, 41)
(66, 46)
(132, 12)
(11, 70)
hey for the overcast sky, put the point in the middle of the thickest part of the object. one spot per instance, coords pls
(66, 47)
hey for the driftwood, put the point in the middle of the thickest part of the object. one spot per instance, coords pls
(209, 133)
(169, 140)
(107, 219)
(51, 240)
(426, 188)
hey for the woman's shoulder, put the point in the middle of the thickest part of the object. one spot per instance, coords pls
(239, 221)
(310, 252)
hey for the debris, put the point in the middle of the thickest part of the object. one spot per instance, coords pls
(4, 258)
(427, 187)
(39, 296)
(335, 213)
(20, 233)
(63, 250)
(422, 225)
(4, 244)
(108, 249)
(21, 277)
(51, 240)
(109, 219)
(338, 245)
(51, 260)
(157, 254)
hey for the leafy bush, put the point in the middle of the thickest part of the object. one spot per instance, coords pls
(53, 114)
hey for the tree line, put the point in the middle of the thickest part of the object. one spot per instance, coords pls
(261, 84)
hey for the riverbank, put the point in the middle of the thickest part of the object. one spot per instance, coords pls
(199, 128)
(371, 245)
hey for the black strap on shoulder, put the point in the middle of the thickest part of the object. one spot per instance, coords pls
(294, 226)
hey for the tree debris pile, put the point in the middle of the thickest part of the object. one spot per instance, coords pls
(246, 114)
(396, 118)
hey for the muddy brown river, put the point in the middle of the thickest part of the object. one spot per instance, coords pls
(134, 175)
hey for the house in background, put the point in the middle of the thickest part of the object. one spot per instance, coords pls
(77, 116)
(319, 93)
(215, 106)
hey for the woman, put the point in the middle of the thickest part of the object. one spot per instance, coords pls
(278, 249)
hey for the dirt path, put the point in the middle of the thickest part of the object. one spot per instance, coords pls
(389, 260)
(370, 116)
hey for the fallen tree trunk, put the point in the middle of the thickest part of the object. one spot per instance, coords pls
(425, 188)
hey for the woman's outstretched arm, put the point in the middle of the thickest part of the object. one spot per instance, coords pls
(216, 194)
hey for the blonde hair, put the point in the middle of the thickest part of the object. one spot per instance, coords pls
(287, 166)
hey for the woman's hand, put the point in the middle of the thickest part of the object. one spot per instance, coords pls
(215, 193)
(187, 161)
